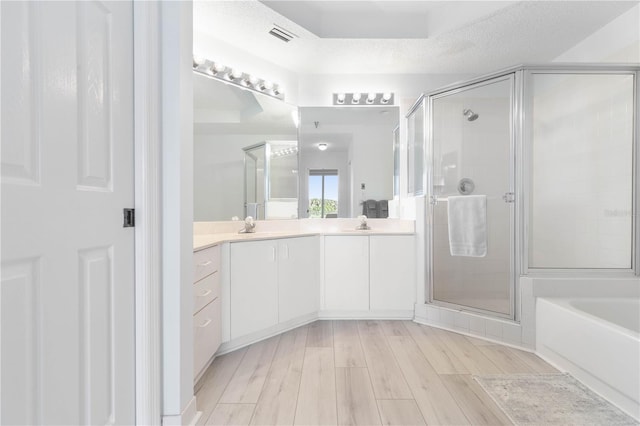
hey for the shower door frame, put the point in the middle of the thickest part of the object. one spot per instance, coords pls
(267, 176)
(515, 187)
(522, 143)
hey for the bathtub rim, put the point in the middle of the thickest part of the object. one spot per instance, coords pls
(565, 304)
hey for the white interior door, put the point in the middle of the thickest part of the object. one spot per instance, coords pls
(67, 172)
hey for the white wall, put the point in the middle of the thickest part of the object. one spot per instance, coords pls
(177, 212)
(371, 164)
(616, 42)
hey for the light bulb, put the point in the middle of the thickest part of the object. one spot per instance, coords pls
(217, 68)
(322, 146)
(198, 60)
(371, 97)
(340, 97)
(386, 97)
(235, 74)
(355, 98)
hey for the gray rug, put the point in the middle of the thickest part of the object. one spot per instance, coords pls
(550, 399)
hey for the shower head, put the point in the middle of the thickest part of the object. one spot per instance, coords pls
(469, 115)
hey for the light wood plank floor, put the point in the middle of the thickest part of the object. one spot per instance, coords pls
(359, 373)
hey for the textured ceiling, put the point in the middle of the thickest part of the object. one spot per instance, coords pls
(455, 37)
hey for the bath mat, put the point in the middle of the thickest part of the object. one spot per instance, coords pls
(550, 399)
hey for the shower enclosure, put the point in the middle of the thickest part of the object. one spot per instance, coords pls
(271, 180)
(552, 150)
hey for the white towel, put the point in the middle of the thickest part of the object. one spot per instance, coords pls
(468, 225)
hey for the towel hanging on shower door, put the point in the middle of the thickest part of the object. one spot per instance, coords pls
(468, 225)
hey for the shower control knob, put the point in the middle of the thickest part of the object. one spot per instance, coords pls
(509, 197)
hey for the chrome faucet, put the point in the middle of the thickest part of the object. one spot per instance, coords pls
(249, 226)
(363, 223)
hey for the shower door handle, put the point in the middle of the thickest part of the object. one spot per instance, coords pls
(509, 197)
(433, 200)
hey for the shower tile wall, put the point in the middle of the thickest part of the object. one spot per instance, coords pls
(581, 205)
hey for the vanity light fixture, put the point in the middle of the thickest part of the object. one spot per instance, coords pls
(322, 146)
(285, 152)
(236, 77)
(371, 98)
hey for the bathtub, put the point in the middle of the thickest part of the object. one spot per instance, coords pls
(597, 341)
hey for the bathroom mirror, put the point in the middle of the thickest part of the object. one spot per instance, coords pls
(245, 153)
(346, 159)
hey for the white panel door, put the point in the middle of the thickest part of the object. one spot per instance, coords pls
(392, 277)
(254, 287)
(346, 273)
(298, 277)
(67, 172)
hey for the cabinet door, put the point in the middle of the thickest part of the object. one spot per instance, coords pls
(346, 273)
(392, 272)
(298, 277)
(254, 287)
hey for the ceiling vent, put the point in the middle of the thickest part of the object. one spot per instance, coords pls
(282, 34)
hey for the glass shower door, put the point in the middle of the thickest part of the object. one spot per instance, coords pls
(471, 138)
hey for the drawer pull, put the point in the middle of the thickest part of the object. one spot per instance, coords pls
(207, 263)
(206, 293)
(206, 323)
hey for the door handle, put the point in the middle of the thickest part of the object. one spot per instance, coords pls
(206, 293)
(206, 323)
(207, 263)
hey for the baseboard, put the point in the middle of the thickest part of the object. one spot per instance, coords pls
(189, 416)
(399, 314)
(252, 338)
(249, 339)
(424, 321)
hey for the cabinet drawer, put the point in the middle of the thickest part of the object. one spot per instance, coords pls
(205, 290)
(206, 335)
(205, 262)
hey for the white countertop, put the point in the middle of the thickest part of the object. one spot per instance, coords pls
(203, 241)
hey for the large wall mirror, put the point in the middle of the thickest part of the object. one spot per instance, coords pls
(245, 153)
(346, 161)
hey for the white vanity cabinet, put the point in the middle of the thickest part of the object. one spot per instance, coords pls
(298, 277)
(369, 275)
(272, 281)
(346, 273)
(207, 329)
(254, 286)
(392, 272)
